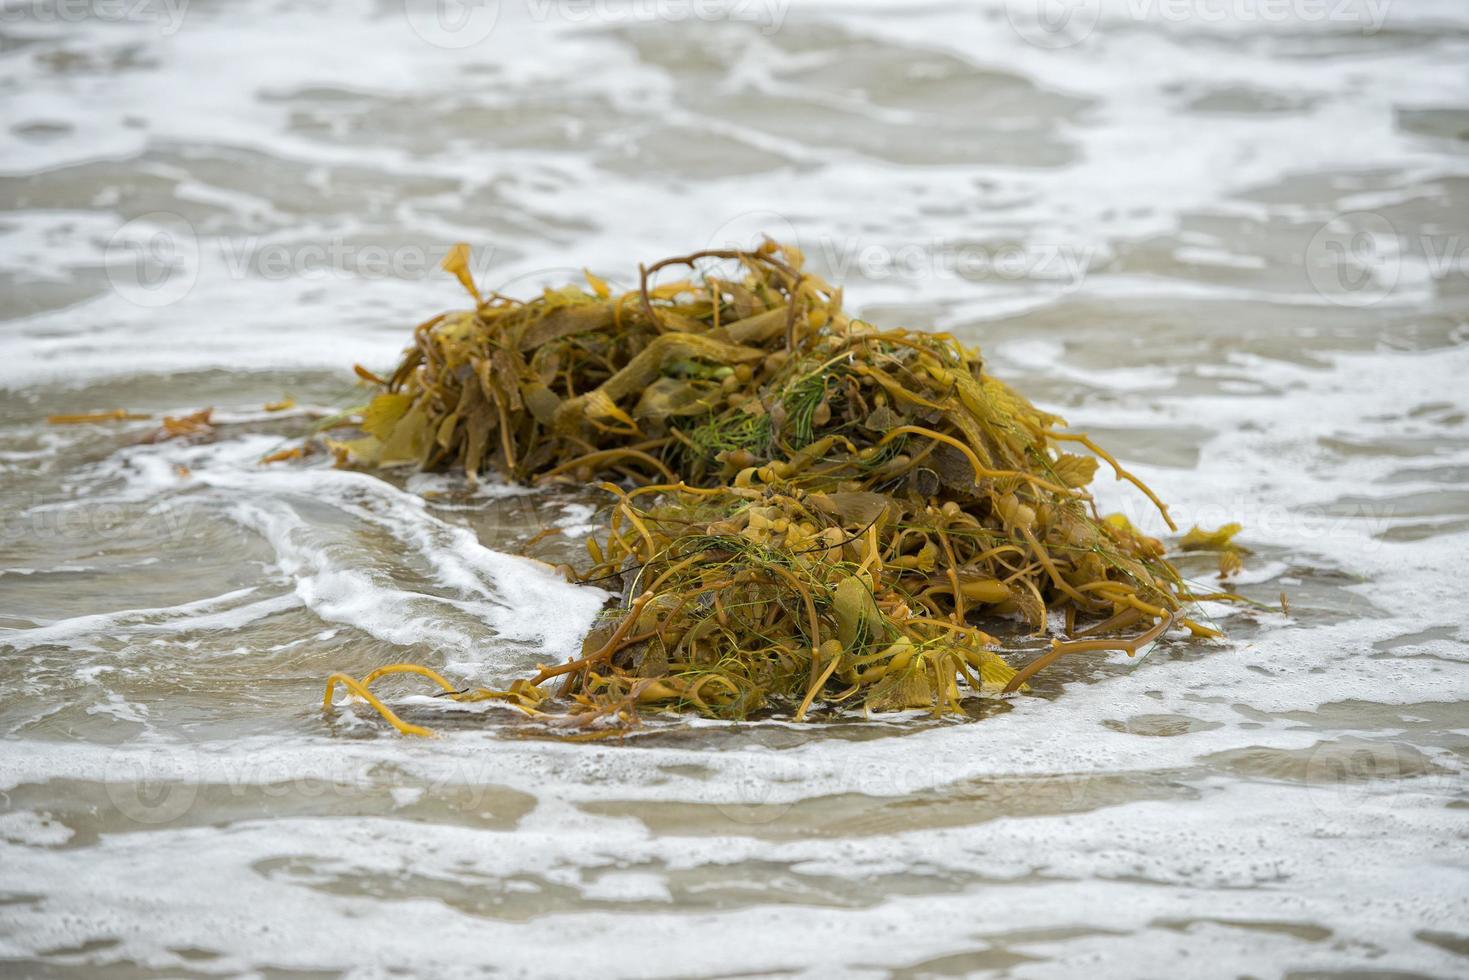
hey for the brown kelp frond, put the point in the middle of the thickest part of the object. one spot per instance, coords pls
(1221, 541)
(809, 511)
(92, 418)
(193, 426)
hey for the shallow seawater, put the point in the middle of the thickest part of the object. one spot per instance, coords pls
(1229, 241)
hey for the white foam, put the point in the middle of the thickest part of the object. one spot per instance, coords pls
(899, 842)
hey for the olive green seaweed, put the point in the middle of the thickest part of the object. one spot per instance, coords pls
(807, 512)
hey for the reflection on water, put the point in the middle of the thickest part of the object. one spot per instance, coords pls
(1233, 247)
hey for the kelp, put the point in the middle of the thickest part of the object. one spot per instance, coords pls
(807, 511)
(1221, 541)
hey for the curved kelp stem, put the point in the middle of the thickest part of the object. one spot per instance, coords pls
(360, 689)
(1060, 648)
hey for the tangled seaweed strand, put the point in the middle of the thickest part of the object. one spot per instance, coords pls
(809, 510)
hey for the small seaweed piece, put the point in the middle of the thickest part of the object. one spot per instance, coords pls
(90, 418)
(194, 426)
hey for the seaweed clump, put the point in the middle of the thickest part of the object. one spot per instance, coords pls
(807, 510)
